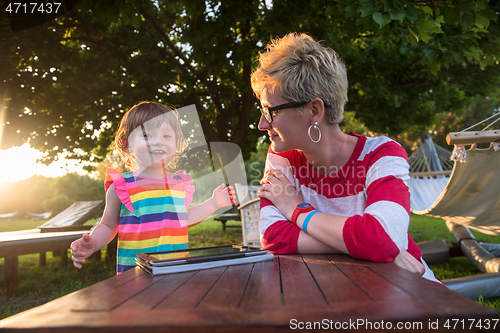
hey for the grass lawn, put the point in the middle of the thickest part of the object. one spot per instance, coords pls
(38, 285)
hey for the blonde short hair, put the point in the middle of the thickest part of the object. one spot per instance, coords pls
(303, 69)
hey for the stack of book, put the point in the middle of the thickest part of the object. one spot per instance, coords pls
(200, 258)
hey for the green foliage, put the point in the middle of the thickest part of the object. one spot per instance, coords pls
(351, 124)
(67, 83)
(57, 203)
(480, 108)
(255, 165)
(39, 194)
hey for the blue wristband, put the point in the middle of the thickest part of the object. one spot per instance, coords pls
(308, 217)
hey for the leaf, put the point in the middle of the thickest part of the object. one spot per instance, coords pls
(481, 4)
(427, 9)
(490, 14)
(423, 33)
(397, 14)
(330, 10)
(452, 16)
(458, 57)
(433, 26)
(388, 5)
(382, 20)
(413, 36)
(482, 21)
(366, 10)
(467, 6)
(467, 20)
(350, 11)
(136, 21)
(430, 55)
(412, 13)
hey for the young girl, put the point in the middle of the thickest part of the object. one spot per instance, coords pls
(148, 207)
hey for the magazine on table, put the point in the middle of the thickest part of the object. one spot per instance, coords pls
(200, 258)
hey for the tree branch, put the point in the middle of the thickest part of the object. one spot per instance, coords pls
(159, 30)
(101, 40)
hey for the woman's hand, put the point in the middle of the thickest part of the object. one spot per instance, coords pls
(408, 262)
(277, 189)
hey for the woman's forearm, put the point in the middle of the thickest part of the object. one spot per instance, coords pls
(325, 229)
(308, 244)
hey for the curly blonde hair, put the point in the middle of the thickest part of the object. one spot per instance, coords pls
(138, 115)
(303, 69)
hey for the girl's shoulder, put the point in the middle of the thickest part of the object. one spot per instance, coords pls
(113, 176)
(119, 182)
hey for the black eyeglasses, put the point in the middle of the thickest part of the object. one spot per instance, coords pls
(268, 112)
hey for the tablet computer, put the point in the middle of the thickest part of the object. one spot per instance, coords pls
(202, 254)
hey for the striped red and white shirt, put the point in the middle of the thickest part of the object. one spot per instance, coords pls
(370, 189)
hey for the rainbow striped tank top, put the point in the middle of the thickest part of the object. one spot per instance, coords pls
(153, 215)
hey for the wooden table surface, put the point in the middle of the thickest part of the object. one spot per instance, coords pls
(290, 292)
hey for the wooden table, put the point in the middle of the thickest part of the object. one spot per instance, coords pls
(16, 243)
(334, 291)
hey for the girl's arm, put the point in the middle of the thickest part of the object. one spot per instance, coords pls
(102, 234)
(222, 197)
(107, 228)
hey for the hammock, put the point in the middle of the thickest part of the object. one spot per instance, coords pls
(471, 196)
(7, 216)
(41, 216)
(430, 168)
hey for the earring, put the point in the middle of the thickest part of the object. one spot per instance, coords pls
(315, 126)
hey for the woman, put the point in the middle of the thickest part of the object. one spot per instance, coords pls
(326, 191)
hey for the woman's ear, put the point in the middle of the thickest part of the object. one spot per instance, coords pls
(317, 110)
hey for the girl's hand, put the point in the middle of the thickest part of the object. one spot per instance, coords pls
(224, 197)
(81, 249)
(277, 189)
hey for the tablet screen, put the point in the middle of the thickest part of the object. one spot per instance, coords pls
(197, 253)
